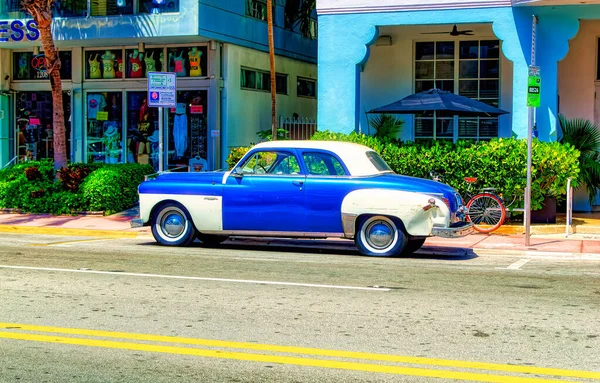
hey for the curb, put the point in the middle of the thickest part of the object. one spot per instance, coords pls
(69, 232)
(546, 229)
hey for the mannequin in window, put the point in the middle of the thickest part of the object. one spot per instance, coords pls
(194, 55)
(178, 64)
(110, 139)
(108, 64)
(94, 66)
(150, 63)
(146, 129)
(180, 129)
(135, 60)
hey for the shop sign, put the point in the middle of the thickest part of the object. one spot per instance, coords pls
(162, 89)
(34, 121)
(196, 109)
(18, 30)
(534, 87)
(38, 63)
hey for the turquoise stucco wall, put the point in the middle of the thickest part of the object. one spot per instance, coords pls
(344, 44)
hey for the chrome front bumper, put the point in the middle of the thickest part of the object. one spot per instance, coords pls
(136, 222)
(458, 229)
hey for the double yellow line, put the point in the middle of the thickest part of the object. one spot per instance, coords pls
(78, 337)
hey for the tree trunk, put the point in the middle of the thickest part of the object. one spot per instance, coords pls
(272, 63)
(41, 10)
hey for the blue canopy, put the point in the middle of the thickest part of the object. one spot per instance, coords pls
(437, 100)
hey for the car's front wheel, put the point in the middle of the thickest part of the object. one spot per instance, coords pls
(172, 225)
(380, 236)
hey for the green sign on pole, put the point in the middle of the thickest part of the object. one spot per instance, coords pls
(534, 87)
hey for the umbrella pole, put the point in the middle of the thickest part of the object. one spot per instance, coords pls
(434, 124)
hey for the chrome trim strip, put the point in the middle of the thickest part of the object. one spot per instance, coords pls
(284, 234)
(349, 224)
(415, 7)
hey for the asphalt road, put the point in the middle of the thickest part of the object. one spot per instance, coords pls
(127, 310)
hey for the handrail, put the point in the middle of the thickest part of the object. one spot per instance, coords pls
(11, 161)
(569, 208)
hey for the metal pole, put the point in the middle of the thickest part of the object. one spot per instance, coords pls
(527, 210)
(569, 207)
(161, 131)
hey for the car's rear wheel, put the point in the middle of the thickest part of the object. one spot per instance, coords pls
(172, 225)
(212, 240)
(413, 245)
(380, 236)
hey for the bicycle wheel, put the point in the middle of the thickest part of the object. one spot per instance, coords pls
(486, 211)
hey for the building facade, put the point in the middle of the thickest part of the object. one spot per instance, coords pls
(218, 50)
(372, 53)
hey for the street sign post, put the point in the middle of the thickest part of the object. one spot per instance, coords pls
(162, 93)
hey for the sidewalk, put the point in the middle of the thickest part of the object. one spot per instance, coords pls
(546, 240)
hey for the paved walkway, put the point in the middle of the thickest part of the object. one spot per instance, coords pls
(546, 240)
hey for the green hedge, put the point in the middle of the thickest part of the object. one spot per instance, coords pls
(32, 187)
(499, 163)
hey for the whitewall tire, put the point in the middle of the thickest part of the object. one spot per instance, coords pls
(379, 236)
(172, 225)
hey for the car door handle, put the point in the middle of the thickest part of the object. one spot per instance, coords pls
(298, 183)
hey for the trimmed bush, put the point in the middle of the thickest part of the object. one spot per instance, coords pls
(499, 163)
(236, 154)
(32, 188)
(113, 188)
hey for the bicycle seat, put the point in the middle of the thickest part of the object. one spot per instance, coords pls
(471, 180)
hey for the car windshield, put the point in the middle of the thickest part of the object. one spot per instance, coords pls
(378, 162)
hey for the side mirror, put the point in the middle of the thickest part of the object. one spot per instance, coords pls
(237, 172)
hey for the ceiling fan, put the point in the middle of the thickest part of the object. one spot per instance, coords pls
(453, 32)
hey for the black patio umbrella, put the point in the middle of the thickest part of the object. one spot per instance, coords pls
(438, 100)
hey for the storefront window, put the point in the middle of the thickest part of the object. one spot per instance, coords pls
(29, 66)
(34, 129)
(188, 61)
(159, 6)
(140, 63)
(142, 130)
(70, 8)
(105, 64)
(109, 8)
(104, 125)
(187, 131)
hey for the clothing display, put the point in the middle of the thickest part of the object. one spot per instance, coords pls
(94, 67)
(180, 133)
(135, 60)
(96, 102)
(108, 65)
(23, 68)
(119, 71)
(111, 140)
(150, 63)
(178, 64)
(195, 68)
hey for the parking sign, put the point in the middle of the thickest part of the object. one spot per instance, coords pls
(162, 89)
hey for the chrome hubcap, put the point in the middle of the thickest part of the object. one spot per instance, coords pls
(380, 234)
(173, 224)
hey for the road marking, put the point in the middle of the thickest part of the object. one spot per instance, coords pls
(303, 350)
(289, 360)
(520, 263)
(197, 278)
(62, 243)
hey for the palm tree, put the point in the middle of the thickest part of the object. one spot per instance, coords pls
(41, 10)
(272, 68)
(585, 137)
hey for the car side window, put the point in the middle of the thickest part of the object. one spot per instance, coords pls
(271, 162)
(323, 164)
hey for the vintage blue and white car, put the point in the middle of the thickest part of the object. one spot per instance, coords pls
(303, 189)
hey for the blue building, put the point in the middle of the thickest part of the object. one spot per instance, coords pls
(217, 48)
(372, 53)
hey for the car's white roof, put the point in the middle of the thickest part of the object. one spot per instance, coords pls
(353, 155)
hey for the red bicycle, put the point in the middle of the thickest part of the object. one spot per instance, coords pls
(485, 209)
